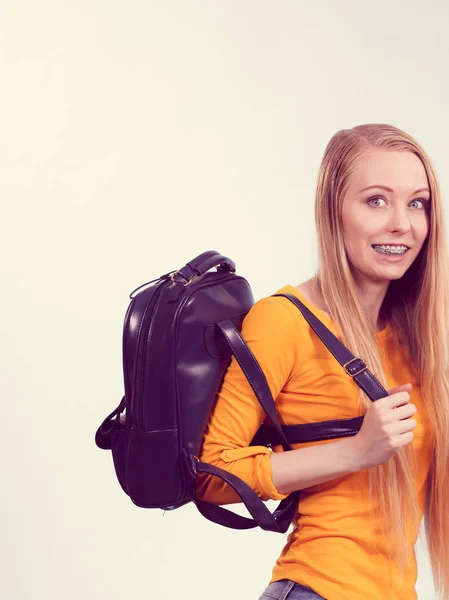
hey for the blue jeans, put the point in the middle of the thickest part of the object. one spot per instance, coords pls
(288, 590)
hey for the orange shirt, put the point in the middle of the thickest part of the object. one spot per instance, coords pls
(335, 547)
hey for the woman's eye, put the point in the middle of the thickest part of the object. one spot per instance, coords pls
(376, 201)
(421, 202)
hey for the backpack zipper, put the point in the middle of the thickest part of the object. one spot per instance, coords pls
(140, 374)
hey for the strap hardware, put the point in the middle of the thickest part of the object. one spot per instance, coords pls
(220, 267)
(189, 281)
(356, 368)
(194, 460)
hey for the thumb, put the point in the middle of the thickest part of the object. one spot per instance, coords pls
(406, 387)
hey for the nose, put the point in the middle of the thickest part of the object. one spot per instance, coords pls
(399, 220)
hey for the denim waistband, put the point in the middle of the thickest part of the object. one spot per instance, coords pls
(285, 589)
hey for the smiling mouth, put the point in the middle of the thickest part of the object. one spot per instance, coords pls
(391, 249)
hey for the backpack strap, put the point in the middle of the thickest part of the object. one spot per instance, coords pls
(110, 424)
(254, 375)
(325, 430)
(354, 367)
(308, 432)
(278, 521)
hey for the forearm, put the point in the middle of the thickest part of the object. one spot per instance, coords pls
(304, 467)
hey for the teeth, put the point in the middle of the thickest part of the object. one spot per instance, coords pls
(387, 249)
(390, 247)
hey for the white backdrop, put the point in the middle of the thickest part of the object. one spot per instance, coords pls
(134, 136)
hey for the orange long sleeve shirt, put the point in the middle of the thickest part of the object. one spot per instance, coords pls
(335, 547)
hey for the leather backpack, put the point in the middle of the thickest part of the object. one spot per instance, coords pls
(180, 333)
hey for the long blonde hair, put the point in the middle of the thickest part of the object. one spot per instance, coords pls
(417, 309)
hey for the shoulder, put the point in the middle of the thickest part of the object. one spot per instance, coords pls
(275, 334)
(272, 309)
(278, 316)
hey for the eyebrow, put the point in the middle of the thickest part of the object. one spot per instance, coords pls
(384, 187)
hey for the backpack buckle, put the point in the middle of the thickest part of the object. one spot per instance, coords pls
(355, 369)
(192, 462)
(189, 281)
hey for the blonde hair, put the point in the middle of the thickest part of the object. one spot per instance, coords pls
(417, 309)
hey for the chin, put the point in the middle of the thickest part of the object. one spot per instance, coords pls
(394, 276)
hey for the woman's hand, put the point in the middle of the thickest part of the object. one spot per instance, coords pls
(387, 426)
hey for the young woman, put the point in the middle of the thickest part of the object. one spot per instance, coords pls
(382, 287)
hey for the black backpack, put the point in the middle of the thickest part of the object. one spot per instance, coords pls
(179, 335)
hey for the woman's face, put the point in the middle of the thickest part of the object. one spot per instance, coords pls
(393, 213)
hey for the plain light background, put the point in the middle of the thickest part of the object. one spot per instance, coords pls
(134, 136)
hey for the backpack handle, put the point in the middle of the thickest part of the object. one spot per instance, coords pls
(202, 263)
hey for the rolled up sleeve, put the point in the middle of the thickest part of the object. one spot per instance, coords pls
(258, 458)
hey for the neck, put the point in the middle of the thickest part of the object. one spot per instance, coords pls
(371, 296)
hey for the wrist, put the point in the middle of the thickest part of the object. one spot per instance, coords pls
(352, 454)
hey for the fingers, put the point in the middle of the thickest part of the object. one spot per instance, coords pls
(404, 412)
(404, 426)
(395, 400)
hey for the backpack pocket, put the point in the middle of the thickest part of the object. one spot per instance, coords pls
(153, 474)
